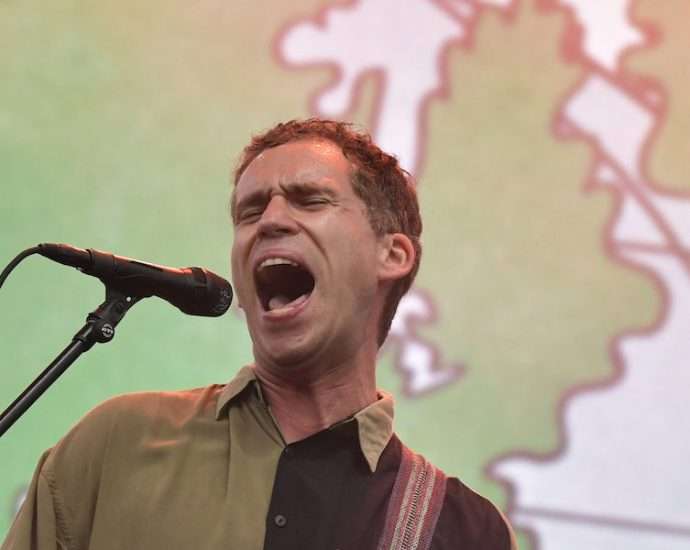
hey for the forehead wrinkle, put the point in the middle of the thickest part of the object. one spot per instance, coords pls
(308, 186)
(288, 188)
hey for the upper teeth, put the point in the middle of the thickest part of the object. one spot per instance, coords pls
(276, 261)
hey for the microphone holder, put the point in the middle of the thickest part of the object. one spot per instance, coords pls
(99, 328)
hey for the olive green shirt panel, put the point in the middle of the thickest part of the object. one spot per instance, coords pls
(164, 471)
(155, 471)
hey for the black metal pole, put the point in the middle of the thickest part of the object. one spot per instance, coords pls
(42, 382)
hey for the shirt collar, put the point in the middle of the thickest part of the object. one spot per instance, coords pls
(374, 422)
(375, 425)
(244, 377)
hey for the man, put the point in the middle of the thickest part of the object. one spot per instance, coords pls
(297, 451)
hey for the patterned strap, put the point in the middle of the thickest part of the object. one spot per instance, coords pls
(415, 504)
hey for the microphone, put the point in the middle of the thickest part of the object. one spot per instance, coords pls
(193, 290)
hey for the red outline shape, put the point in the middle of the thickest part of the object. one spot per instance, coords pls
(639, 89)
(646, 91)
(442, 91)
(456, 370)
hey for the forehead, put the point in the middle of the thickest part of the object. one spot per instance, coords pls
(311, 160)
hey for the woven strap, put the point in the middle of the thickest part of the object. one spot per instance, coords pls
(415, 504)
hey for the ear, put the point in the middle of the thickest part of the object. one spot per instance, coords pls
(396, 257)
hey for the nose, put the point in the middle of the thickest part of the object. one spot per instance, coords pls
(276, 219)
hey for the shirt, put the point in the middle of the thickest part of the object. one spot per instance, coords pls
(208, 468)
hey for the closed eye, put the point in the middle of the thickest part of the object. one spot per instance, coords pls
(249, 214)
(312, 201)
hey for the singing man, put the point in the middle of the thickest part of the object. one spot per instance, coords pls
(298, 450)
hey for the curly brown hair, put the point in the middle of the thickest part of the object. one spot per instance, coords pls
(384, 187)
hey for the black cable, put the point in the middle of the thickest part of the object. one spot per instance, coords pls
(15, 262)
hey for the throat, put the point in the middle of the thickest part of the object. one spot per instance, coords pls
(301, 411)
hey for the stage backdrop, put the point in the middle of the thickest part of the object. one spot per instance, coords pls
(543, 354)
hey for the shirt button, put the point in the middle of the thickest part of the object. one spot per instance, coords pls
(280, 520)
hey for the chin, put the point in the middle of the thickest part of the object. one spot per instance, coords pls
(286, 356)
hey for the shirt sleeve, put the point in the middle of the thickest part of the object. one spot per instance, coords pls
(469, 520)
(512, 541)
(56, 514)
(36, 526)
(511, 533)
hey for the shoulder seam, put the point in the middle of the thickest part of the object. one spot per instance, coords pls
(58, 506)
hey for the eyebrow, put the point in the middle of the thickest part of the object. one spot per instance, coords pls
(299, 189)
(307, 188)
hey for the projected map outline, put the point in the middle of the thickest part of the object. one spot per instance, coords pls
(649, 232)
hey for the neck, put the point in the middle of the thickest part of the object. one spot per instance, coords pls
(303, 405)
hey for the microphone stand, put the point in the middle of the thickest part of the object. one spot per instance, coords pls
(100, 327)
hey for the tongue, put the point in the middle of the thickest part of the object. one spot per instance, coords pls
(281, 301)
(278, 301)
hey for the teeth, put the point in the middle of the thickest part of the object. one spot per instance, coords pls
(276, 261)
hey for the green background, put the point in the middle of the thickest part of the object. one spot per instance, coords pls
(120, 124)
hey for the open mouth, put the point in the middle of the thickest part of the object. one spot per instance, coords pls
(282, 284)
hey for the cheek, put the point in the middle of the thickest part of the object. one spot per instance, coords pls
(360, 260)
(234, 265)
(237, 262)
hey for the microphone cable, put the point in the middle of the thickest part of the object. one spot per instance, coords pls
(14, 263)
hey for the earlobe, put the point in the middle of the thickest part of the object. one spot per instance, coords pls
(397, 257)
